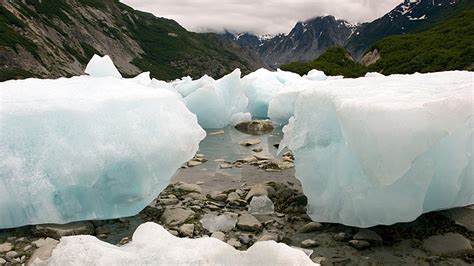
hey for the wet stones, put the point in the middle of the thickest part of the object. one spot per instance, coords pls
(309, 243)
(5, 247)
(359, 244)
(176, 216)
(256, 127)
(248, 222)
(59, 230)
(369, 236)
(311, 227)
(447, 244)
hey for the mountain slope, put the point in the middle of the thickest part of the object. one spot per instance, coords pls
(447, 46)
(409, 17)
(56, 38)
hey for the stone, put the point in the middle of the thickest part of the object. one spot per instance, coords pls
(59, 230)
(190, 188)
(248, 222)
(218, 235)
(263, 157)
(247, 160)
(257, 190)
(311, 227)
(250, 142)
(217, 133)
(234, 242)
(341, 237)
(447, 244)
(261, 205)
(2, 261)
(246, 239)
(359, 244)
(27, 247)
(369, 235)
(5, 247)
(11, 255)
(257, 150)
(193, 163)
(176, 216)
(309, 243)
(218, 196)
(268, 237)
(44, 242)
(169, 202)
(256, 127)
(233, 197)
(225, 166)
(461, 216)
(186, 230)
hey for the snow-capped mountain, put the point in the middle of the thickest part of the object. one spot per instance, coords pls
(309, 39)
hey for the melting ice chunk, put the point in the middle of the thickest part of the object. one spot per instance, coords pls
(385, 150)
(222, 223)
(102, 67)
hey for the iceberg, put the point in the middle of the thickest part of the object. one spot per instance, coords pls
(382, 150)
(153, 245)
(218, 101)
(102, 67)
(88, 147)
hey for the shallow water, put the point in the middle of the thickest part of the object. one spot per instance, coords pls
(226, 147)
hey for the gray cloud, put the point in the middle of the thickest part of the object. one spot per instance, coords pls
(259, 16)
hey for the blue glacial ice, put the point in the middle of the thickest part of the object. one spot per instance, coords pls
(88, 147)
(382, 150)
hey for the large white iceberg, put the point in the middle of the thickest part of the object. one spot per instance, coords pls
(88, 148)
(153, 245)
(381, 150)
(216, 102)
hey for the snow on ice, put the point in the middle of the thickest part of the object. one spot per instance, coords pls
(153, 245)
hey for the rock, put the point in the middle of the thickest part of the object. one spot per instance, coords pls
(2, 261)
(247, 239)
(341, 237)
(217, 133)
(27, 247)
(248, 222)
(233, 197)
(309, 243)
(311, 227)
(261, 205)
(368, 235)
(218, 235)
(359, 244)
(43, 242)
(250, 142)
(257, 150)
(234, 242)
(190, 188)
(256, 127)
(268, 237)
(11, 255)
(59, 230)
(44, 251)
(462, 216)
(176, 216)
(5, 247)
(284, 194)
(447, 244)
(226, 166)
(263, 157)
(218, 196)
(257, 190)
(193, 163)
(174, 232)
(186, 230)
(169, 202)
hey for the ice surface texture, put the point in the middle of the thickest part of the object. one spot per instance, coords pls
(381, 150)
(88, 148)
(153, 245)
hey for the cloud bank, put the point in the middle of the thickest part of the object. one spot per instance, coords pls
(258, 16)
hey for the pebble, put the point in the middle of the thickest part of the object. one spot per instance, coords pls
(218, 235)
(176, 216)
(447, 244)
(268, 237)
(11, 255)
(28, 247)
(359, 244)
(2, 261)
(311, 227)
(257, 190)
(186, 230)
(368, 235)
(309, 243)
(5, 247)
(341, 237)
(188, 187)
(216, 195)
(248, 222)
(234, 242)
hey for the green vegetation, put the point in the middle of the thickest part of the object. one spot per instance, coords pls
(334, 62)
(448, 46)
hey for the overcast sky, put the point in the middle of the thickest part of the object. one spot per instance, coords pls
(259, 16)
